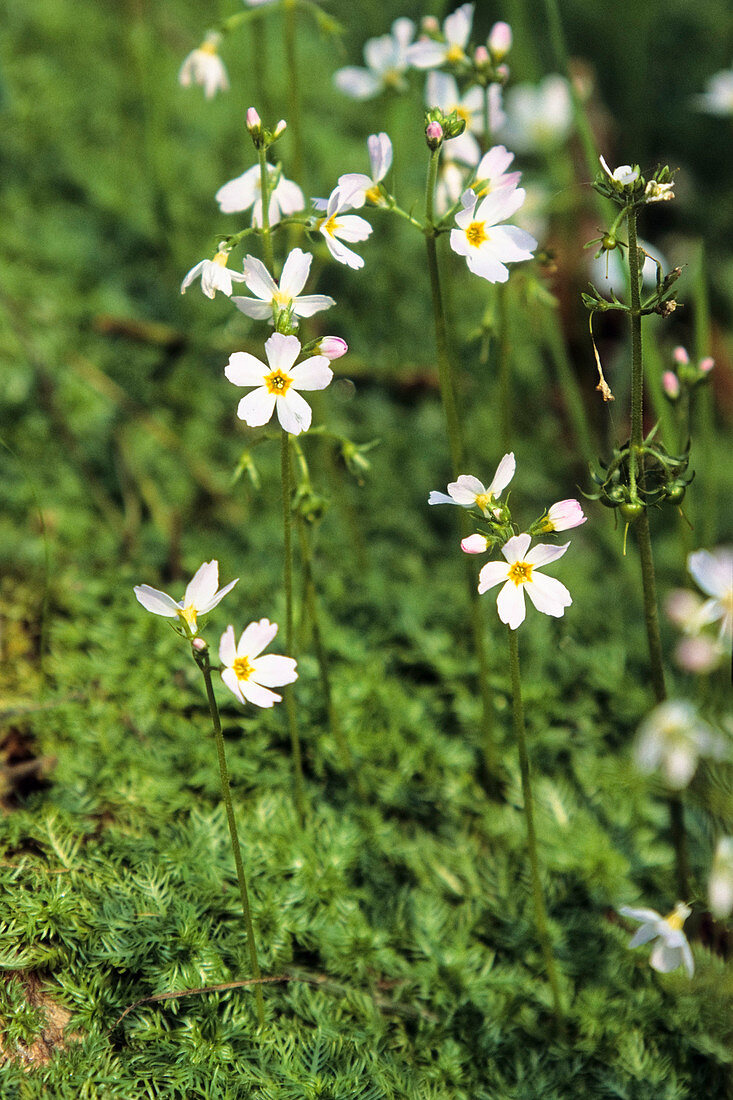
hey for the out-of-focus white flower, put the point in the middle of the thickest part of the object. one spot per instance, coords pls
(720, 884)
(624, 174)
(441, 90)
(491, 172)
(204, 66)
(386, 64)
(713, 572)
(699, 655)
(451, 184)
(201, 596)
(671, 949)
(246, 190)
(271, 298)
(608, 271)
(563, 515)
(520, 571)
(697, 652)
(718, 98)
(486, 245)
(499, 41)
(671, 740)
(469, 492)
(214, 275)
(362, 188)
(538, 116)
(277, 383)
(338, 226)
(427, 53)
(248, 675)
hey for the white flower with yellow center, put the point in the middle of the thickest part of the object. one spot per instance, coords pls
(201, 596)
(248, 675)
(486, 245)
(278, 383)
(338, 226)
(671, 949)
(214, 275)
(671, 739)
(246, 190)
(520, 572)
(386, 64)
(362, 188)
(624, 175)
(469, 492)
(713, 572)
(539, 117)
(427, 53)
(271, 299)
(204, 66)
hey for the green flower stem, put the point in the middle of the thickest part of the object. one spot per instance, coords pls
(294, 120)
(637, 368)
(704, 413)
(287, 491)
(202, 660)
(265, 194)
(540, 909)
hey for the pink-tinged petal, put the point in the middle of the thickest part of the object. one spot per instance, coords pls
(258, 279)
(640, 914)
(477, 544)
(282, 351)
(312, 374)
(565, 514)
(353, 187)
(257, 310)
(202, 586)
(484, 264)
(260, 696)
(494, 163)
(209, 605)
(356, 82)
(380, 155)
(256, 637)
(494, 572)
(160, 603)
(441, 90)
(294, 413)
(465, 489)
(309, 304)
(257, 407)
(229, 677)
(510, 605)
(457, 26)
(440, 498)
(273, 670)
(504, 474)
(713, 572)
(497, 206)
(548, 595)
(228, 647)
(244, 370)
(515, 548)
(543, 553)
(295, 272)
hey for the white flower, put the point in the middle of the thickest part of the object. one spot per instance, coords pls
(360, 187)
(441, 91)
(201, 596)
(624, 175)
(563, 515)
(246, 190)
(248, 675)
(487, 246)
(426, 53)
(278, 383)
(671, 739)
(520, 571)
(713, 572)
(492, 175)
(718, 99)
(204, 66)
(671, 949)
(538, 117)
(386, 64)
(468, 491)
(214, 275)
(271, 299)
(720, 885)
(338, 226)
(658, 192)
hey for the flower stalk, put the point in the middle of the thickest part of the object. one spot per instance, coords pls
(287, 491)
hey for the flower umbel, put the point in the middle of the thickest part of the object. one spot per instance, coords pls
(671, 949)
(248, 675)
(201, 596)
(520, 571)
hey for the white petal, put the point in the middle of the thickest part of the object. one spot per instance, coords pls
(380, 155)
(308, 304)
(441, 91)
(515, 548)
(647, 931)
(239, 194)
(294, 413)
(687, 958)
(229, 677)
(244, 370)
(510, 244)
(712, 572)
(497, 206)
(504, 474)
(258, 279)
(254, 308)
(440, 498)
(312, 374)
(260, 696)
(202, 585)
(350, 227)
(543, 553)
(289, 198)
(356, 82)
(257, 407)
(510, 604)
(160, 603)
(640, 914)
(282, 351)
(483, 263)
(548, 595)
(665, 958)
(256, 637)
(426, 53)
(465, 489)
(459, 241)
(273, 670)
(494, 163)
(193, 274)
(494, 572)
(343, 254)
(457, 26)
(228, 647)
(295, 272)
(209, 605)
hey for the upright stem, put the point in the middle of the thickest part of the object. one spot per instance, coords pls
(293, 88)
(202, 660)
(288, 577)
(637, 370)
(537, 892)
(265, 194)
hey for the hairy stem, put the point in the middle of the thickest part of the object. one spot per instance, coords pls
(265, 193)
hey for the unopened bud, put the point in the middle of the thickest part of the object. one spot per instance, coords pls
(199, 644)
(502, 74)
(429, 25)
(500, 40)
(680, 355)
(475, 544)
(434, 135)
(707, 364)
(254, 121)
(281, 126)
(481, 57)
(671, 385)
(332, 347)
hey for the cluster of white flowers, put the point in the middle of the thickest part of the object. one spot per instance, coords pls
(702, 650)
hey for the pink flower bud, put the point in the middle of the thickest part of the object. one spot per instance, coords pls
(706, 364)
(429, 25)
(434, 134)
(481, 56)
(475, 544)
(564, 515)
(680, 355)
(199, 644)
(671, 384)
(253, 120)
(502, 73)
(500, 40)
(698, 655)
(333, 347)
(281, 126)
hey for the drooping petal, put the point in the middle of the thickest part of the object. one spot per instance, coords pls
(664, 958)
(192, 275)
(484, 263)
(295, 272)
(202, 586)
(228, 647)
(258, 279)
(282, 351)
(294, 412)
(160, 603)
(544, 552)
(510, 604)
(640, 914)
(515, 548)
(380, 155)
(256, 637)
(504, 474)
(494, 572)
(257, 407)
(244, 370)
(273, 670)
(687, 959)
(312, 374)
(440, 498)
(343, 254)
(548, 594)
(647, 931)
(209, 605)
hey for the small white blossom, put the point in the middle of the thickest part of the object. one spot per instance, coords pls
(201, 596)
(718, 98)
(427, 53)
(338, 226)
(658, 192)
(277, 383)
(246, 190)
(624, 175)
(538, 117)
(271, 298)
(214, 275)
(487, 246)
(720, 884)
(671, 949)
(362, 188)
(520, 571)
(248, 675)
(204, 66)
(713, 572)
(469, 492)
(671, 740)
(386, 64)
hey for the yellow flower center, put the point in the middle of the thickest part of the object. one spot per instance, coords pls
(277, 382)
(209, 47)
(374, 195)
(188, 614)
(242, 668)
(391, 78)
(483, 500)
(455, 53)
(328, 225)
(521, 572)
(463, 113)
(476, 234)
(677, 917)
(282, 300)
(221, 258)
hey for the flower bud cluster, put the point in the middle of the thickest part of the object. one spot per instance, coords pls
(262, 138)
(441, 127)
(684, 375)
(626, 185)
